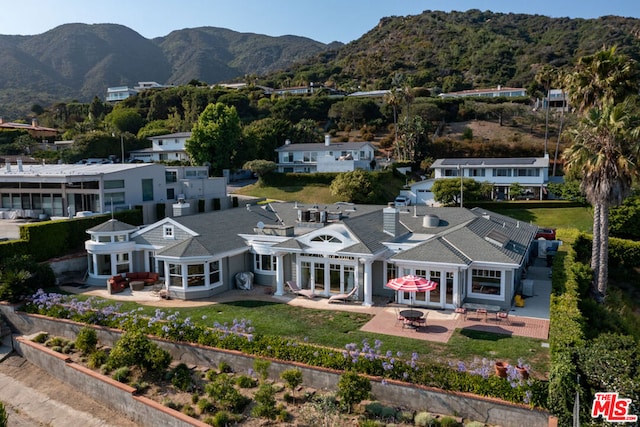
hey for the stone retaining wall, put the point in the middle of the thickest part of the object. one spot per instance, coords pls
(395, 393)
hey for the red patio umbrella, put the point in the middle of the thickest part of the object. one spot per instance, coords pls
(413, 284)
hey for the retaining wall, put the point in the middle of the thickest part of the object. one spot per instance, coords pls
(394, 393)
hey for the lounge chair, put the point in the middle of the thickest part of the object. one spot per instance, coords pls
(343, 297)
(299, 291)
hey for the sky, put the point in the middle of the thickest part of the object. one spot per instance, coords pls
(324, 21)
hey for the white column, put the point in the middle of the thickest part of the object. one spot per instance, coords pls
(367, 301)
(279, 274)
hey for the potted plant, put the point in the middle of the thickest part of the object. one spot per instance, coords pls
(501, 369)
(522, 369)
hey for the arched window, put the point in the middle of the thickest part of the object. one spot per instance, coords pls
(325, 238)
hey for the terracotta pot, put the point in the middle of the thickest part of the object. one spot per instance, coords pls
(522, 372)
(501, 369)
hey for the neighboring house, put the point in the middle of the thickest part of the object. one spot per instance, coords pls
(164, 148)
(327, 157)
(118, 93)
(420, 193)
(475, 255)
(557, 100)
(34, 129)
(65, 190)
(532, 173)
(508, 92)
(370, 94)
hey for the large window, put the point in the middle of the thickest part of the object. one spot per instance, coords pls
(450, 172)
(170, 177)
(113, 183)
(122, 263)
(115, 198)
(502, 172)
(147, 190)
(265, 262)
(195, 275)
(486, 282)
(528, 172)
(214, 272)
(175, 275)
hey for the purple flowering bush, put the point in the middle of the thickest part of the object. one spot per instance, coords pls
(364, 358)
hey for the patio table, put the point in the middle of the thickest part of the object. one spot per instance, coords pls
(136, 285)
(412, 316)
(482, 308)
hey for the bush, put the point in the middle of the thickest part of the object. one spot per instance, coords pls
(4, 418)
(221, 390)
(261, 367)
(292, 378)
(245, 381)
(97, 359)
(265, 402)
(41, 338)
(378, 410)
(122, 374)
(205, 405)
(181, 377)
(222, 419)
(135, 349)
(224, 367)
(449, 422)
(87, 340)
(353, 388)
(424, 419)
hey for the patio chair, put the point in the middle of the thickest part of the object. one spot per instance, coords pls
(299, 291)
(463, 311)
(503, 315)
(343, 297)
(399, 318)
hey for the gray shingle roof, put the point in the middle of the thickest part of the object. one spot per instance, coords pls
(111, 226)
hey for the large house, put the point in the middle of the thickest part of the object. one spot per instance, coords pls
(63, 190)
(532, 173)
(508, 92)
(164, 148)
(474, 255)
(327, 157)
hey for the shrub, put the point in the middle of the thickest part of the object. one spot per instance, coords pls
(353, 388)
(87, 340)
(188, 410)
(222, 419)
(205, 405)
(245, 381)
(122, 374)
(41, 338)
(224, 368)
(265, 402)
(378, 410)
(221, 390)
(4, 418)
(171, 404)
(292, 378)
(424, 419)
(474, 424)
(370, 423)
(261, 367)
(449, 422)
(135, 349)
(181, 377)
(97, 359)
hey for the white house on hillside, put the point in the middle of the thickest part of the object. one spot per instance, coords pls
(532, 173)
(327, 157)
(164, 148)
(508, 92)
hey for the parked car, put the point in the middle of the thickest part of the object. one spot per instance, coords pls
(402, 201)
(546, 233)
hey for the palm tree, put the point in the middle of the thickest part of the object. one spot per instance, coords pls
(605, 152)
(599, 84)
(545, 77)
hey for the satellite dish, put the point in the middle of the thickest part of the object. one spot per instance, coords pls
(260, 225)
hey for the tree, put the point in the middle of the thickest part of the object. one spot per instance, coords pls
(355, 187)
(265, 135)
(260, 168)
(606, 143)
(214, 137)
(124, 120)
(597, 86)
(545, 76)
(447, 191)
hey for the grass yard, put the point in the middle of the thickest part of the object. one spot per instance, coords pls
(337, 328)
(299, 193)
(578, 218)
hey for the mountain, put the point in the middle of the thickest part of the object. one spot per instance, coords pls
(472, 49)
(79, 61)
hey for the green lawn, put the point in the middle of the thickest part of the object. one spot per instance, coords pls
(337, 328)
(300, 193)
(578, 218)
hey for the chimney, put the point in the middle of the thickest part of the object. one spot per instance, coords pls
(327, 140)
(391, 220)
(19, 165)
(8, 165)
(34, 122)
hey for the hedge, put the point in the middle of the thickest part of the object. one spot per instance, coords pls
(50, 239)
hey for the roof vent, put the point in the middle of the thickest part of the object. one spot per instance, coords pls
(430, 221)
